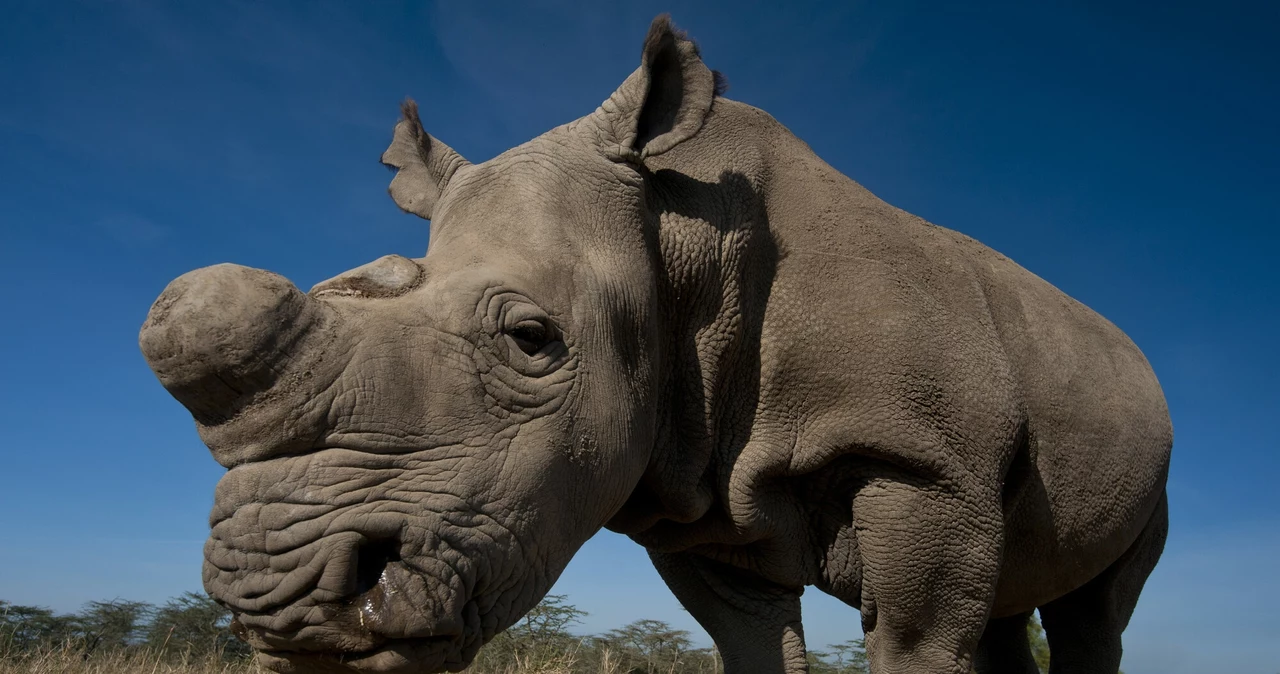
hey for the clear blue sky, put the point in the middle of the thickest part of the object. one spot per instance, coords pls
(1127, 154)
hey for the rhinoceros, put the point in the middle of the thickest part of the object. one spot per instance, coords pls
(671, 319)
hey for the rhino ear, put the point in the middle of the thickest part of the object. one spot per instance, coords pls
(665, 101)
(424, 165)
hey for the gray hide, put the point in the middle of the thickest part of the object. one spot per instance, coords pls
(669, 318)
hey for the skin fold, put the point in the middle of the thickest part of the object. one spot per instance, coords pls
(672, 319)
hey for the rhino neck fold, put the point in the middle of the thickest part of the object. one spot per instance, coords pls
(719, 257)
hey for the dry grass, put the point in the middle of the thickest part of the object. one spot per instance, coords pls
(564, 663)
(74, 661)
(560, 665)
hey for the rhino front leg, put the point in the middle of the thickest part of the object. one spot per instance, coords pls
(930, 561)
(755, 623)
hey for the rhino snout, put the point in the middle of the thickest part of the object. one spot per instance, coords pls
(218, 335)
(367, 599)
(312, 574)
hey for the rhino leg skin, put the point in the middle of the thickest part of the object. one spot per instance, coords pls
(926, 615)
(1084, 627)
(1005, 648)
(755, 624)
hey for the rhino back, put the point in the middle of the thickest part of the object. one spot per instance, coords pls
(1094, 455)
(893, 338)
(891, 347)
(1099, 434)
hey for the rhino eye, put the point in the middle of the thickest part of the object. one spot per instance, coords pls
(530, 336)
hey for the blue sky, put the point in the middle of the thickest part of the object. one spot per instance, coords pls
(1125, 153)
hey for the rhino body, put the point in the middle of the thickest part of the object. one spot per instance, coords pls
(672, 319)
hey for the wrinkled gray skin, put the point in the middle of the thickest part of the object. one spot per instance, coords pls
(672, 319)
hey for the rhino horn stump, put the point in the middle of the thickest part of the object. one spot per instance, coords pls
(219, 335)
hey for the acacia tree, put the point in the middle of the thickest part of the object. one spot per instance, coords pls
(548, 622)
(542, 636)
(653, 642)
(192, 623)
(112, 625)
(24, 628)
(819, 662)
(850, 657)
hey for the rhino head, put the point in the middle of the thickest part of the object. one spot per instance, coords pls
(417, 447)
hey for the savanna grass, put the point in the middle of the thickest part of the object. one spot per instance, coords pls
(74, 660)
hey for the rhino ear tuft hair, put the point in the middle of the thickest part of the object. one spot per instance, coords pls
(423, 164)
(665, 101)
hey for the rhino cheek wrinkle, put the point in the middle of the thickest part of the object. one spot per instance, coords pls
(672, 319)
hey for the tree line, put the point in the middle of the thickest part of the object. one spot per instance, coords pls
(189, 625)
(194, 626)
(542, 641)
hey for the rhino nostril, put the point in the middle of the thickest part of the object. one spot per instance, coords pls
(372, 560)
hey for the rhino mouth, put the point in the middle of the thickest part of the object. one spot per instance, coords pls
(344, 561)
(365, 632)
(395, 656)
